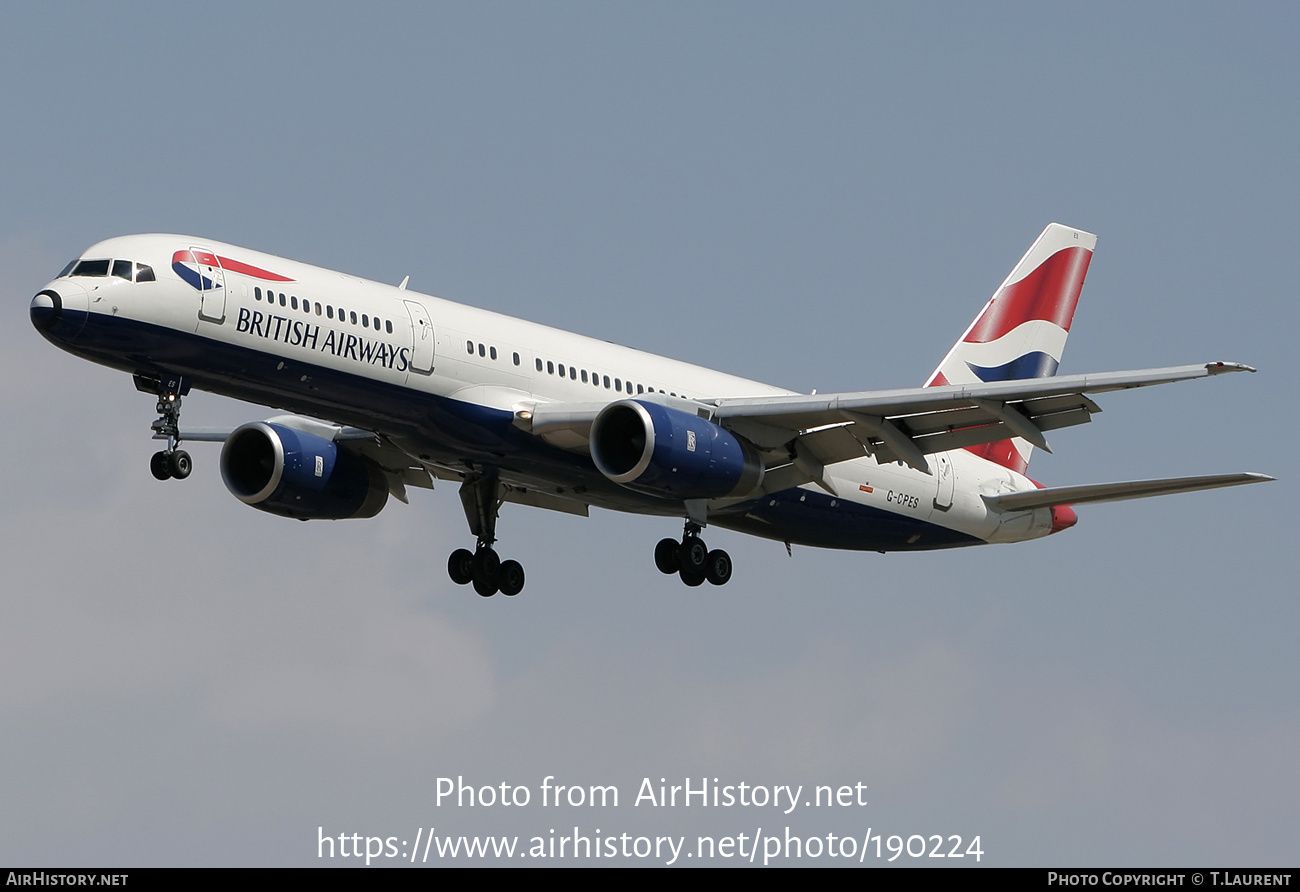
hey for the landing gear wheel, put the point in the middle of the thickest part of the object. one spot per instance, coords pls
(460, 566)
(180, 464)
(511, 578)
(160, 466)
(693, 557)
(692, 579)
(487, 570)
(486, 563)
(666, 556)
(718, 570)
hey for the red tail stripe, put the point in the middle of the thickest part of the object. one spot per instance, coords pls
(1002, 452)
(1050, 293)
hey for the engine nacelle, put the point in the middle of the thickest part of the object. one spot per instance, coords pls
(296, 474)
(667, 452)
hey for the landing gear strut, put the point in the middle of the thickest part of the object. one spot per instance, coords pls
(692, 560)
(170, 462)
(480, 495)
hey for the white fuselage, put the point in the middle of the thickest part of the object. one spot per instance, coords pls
(361, 353)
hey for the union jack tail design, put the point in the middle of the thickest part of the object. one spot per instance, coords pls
(1021, 331)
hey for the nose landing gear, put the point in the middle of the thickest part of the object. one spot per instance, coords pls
(170, 462)
(166, 465)
(692, 560)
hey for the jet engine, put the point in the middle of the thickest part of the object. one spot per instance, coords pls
(667, 452)
(296, 474)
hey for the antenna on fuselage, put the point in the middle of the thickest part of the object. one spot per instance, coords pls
(402, 287)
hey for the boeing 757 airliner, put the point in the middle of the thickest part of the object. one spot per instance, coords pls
(387, 389)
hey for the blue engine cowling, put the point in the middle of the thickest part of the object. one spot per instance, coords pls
(668, 452)
(296, 474)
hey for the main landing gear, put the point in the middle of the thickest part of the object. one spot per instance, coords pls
(170, 462)
(692, 560)
(480, 495)
(485, 570)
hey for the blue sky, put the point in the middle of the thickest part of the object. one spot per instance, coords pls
(818, 198)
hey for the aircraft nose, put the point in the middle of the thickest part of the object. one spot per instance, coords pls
(47, 307)
(59, 312)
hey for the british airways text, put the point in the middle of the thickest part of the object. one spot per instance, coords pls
(297, 333)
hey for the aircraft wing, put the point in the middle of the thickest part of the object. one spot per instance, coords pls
(909, 424)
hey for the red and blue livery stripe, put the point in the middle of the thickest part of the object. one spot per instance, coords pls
(197, 267)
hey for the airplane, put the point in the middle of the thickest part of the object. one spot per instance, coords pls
(388, 389)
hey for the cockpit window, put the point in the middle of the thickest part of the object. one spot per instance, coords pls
(67, 269)
(91, 268)
(143, 273)
(122, 269)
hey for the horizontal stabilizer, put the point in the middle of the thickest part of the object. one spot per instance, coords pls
(1115, 492)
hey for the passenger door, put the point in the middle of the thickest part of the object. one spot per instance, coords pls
(212, 285)
(421, 338)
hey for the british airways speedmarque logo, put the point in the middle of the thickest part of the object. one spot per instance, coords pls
(203, 270)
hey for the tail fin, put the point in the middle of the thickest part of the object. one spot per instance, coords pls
(1021, 331)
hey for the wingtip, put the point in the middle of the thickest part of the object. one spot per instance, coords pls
(1219, 368)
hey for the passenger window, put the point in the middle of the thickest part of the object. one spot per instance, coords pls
(257, 293)
(388, 325)
(329, 311)
(539, 363)
(561, 370)
(122, 269)
(469, 347)
(516, 359)
(294, 302)
(492, 351)
(317, 308)
(365, 321)
(282, 302)
(481, 351)
(618, 385)
(353, 317)
(607, 382)
(584, 376)
(550, 367)
(573, 374)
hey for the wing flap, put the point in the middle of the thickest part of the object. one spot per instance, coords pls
(536, 499)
